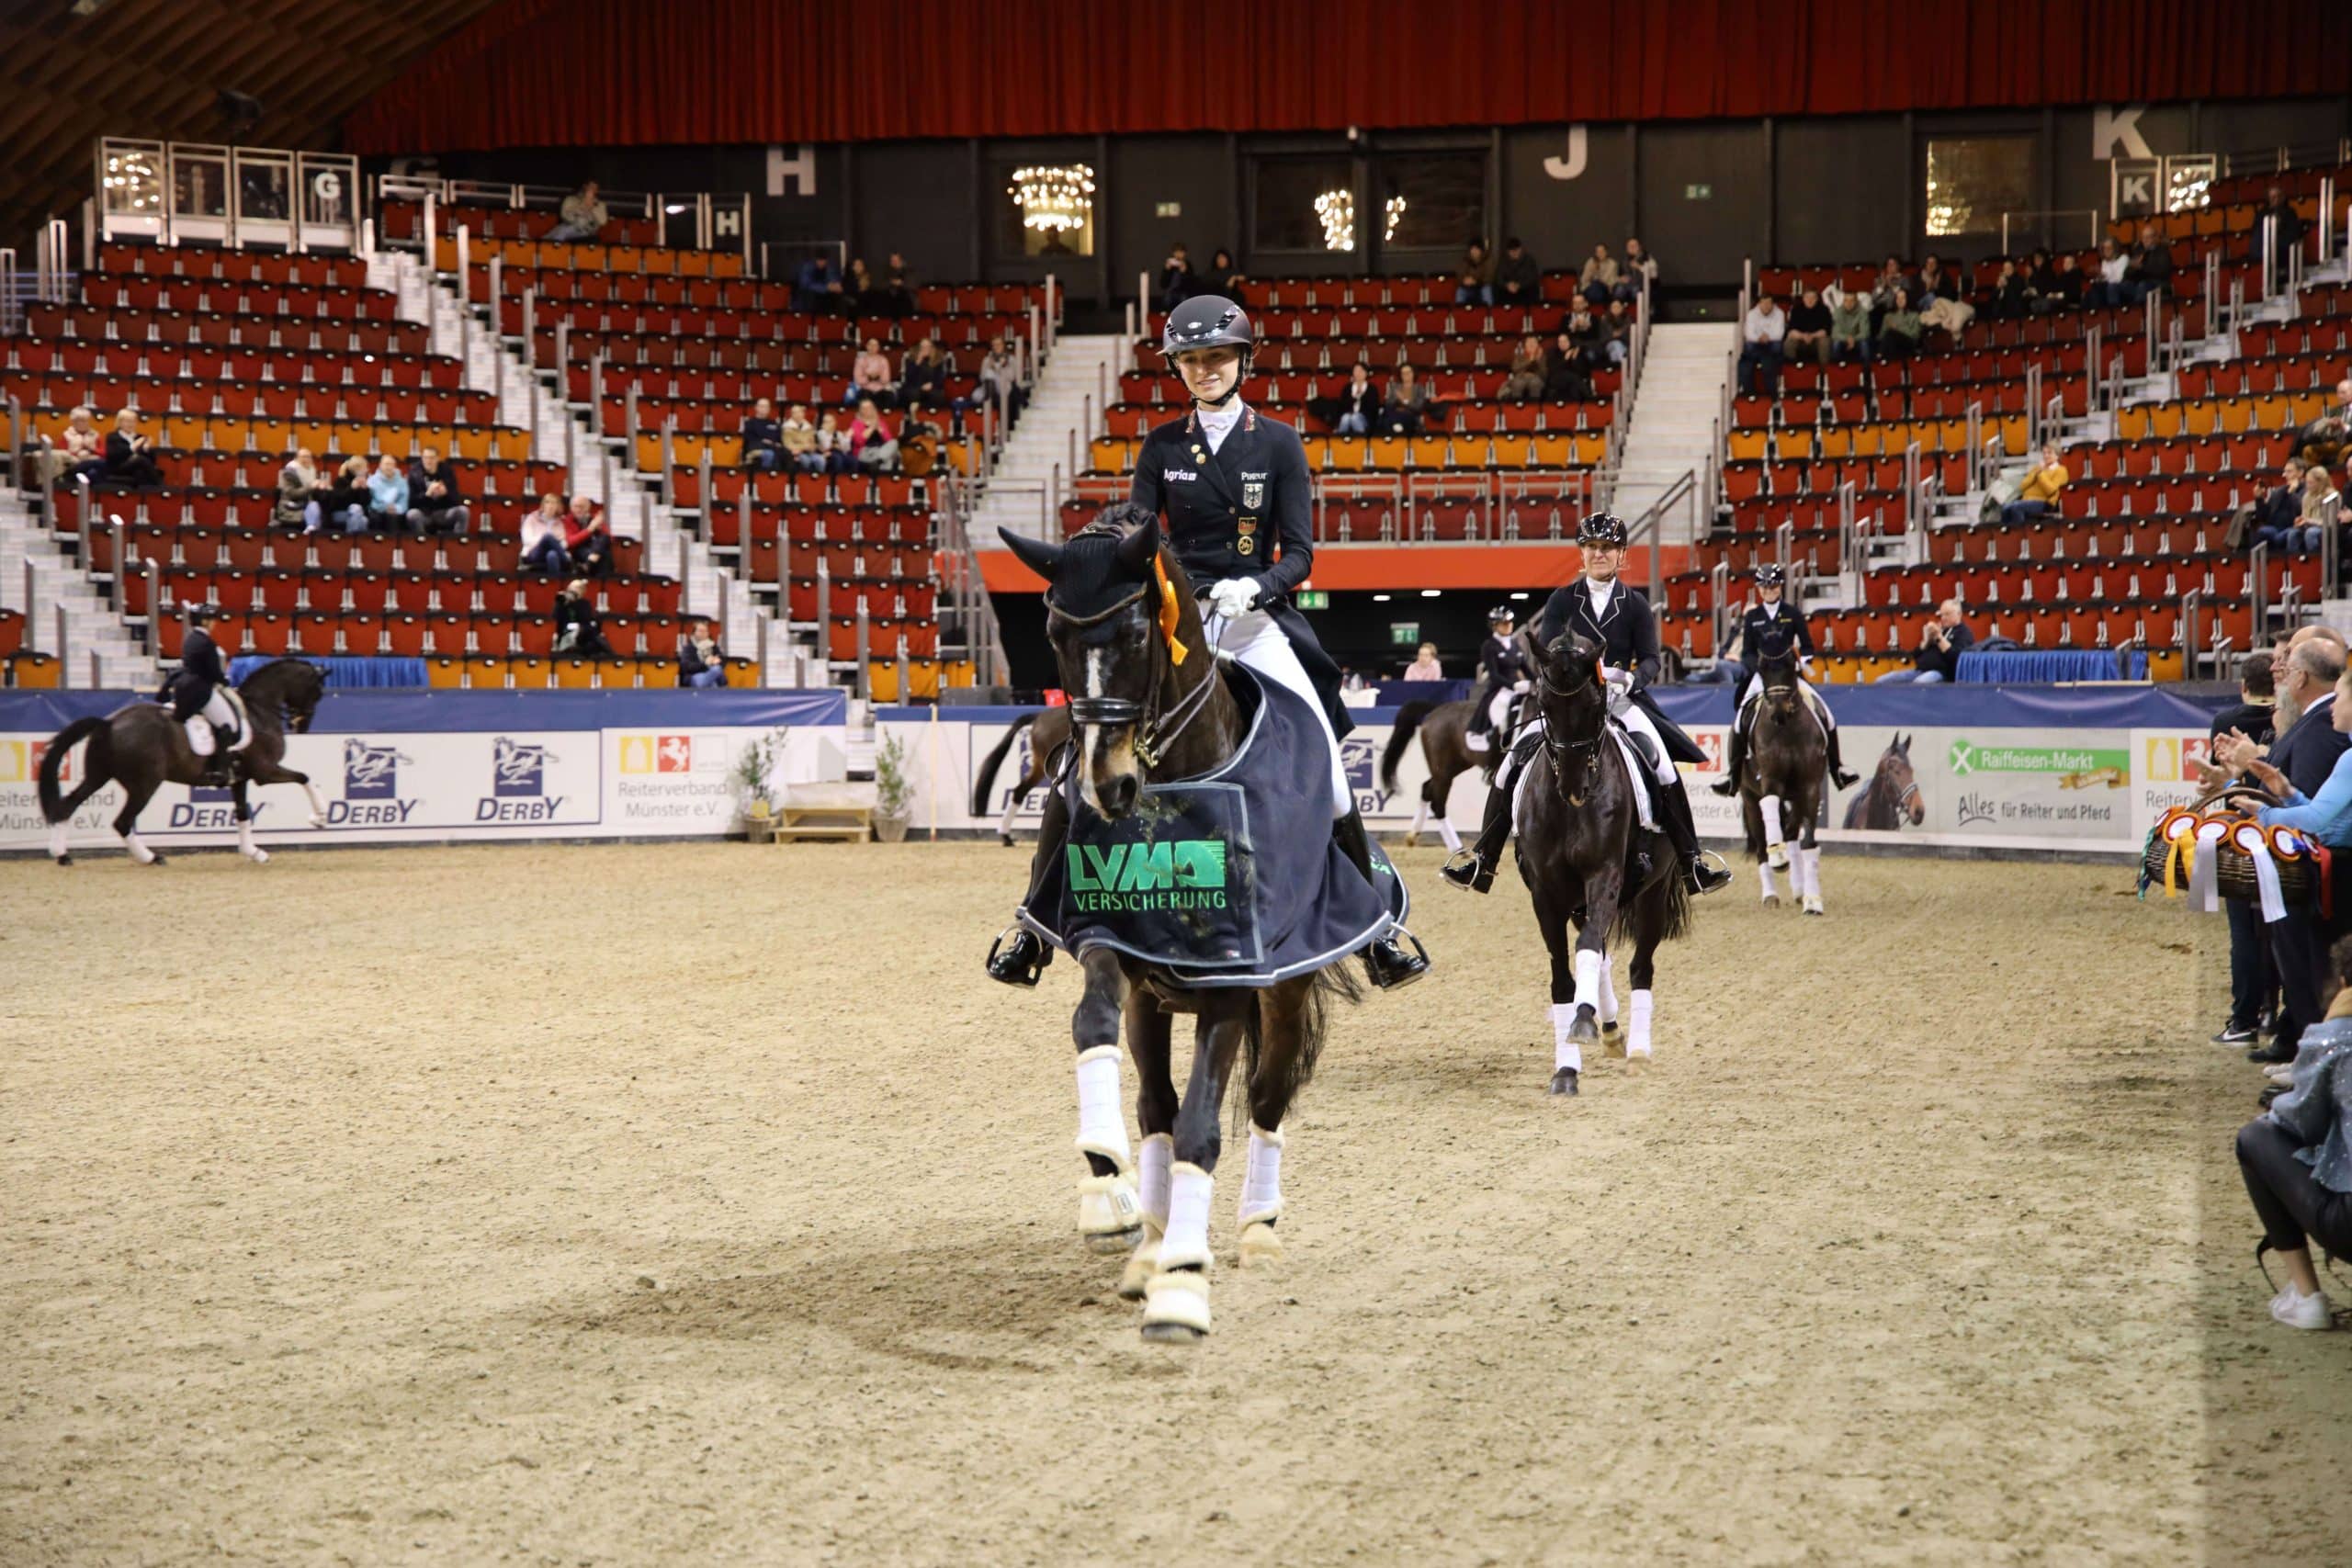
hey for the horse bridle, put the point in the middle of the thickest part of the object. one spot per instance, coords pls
(1155, 731)
(1584, 754)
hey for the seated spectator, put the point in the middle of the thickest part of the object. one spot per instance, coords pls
(1617, 331)
(130, 456)
(297, 483)
(1222, 277)
(872, 443)
(1600, 276)
(869, 377)
(388, 494)
(79, 451)
(2324, 439)
(1564, 379)
(2277, 519)
(2151, 269)
(797, 440)
(1584, 335)
(1942, 642)
(2278, 229)
(1849, 329)
(898, 287)
(1759, 354)
(583, 216)
(2109, 290)
(1405, 409)
(923, 382)
(1524, 384)
(1358, 404)
(1935, 283)
(700, 663)
(1891, 279)
(1899, 329)
(579, 630)
(434, 502)
(2297, 1155)
(832, 446)
(1518, 280)
(1809, 324)
(345, 499)
(2322, 506)
(2065, 291)
(1424, 666)
(1001, 378)
(1175, 278)
(1474, 279)
(2040, 282)
(2012, 296)
(762, 438)
(1636, 275)
(542, 536)
(817, 287)
(2040, 491)
(586, 538)
(857, 287)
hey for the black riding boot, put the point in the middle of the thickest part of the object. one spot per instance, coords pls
(1386, 959)
(1729, 783)
(1675, 821)
(1019, 955)
(1838, 775)
(1475, 870)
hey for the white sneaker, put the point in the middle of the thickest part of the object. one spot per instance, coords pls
(2296, 1310)
(2280, 1072)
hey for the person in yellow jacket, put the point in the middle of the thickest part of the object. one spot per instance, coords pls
(2040, 491)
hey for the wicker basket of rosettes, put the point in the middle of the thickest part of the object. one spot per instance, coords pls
(2222, 833)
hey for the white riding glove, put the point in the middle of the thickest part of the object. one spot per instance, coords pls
(1232, 598)
(1621, 688)
(1520, 688)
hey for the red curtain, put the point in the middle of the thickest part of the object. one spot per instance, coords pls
(587, 73)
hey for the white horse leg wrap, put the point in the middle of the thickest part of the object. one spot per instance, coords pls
(1773, 840)
(57, 845)
(1420, 820)
(1565, 1053)
(1450, 834)
(1158, 1158)
(1102, 1123)
(1607, 992)
(1813, 871)
(1186, 1244)
(1764, 881)
(1637, 1025)
(1261, 1187)
(1004, 823)
(1588, 968)
(139, 851)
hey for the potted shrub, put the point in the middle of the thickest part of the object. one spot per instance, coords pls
(894, 799)
(757, 784)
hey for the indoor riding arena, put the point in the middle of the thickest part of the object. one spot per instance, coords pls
(608, 827)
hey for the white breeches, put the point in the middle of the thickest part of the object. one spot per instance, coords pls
(1253, 640)
(1498, 711)
(1755, 684)
(1634, 718)
(216, 710)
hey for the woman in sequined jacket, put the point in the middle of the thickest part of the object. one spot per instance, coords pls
(2296, 1158)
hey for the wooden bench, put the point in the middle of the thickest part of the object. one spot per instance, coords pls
(820, 814)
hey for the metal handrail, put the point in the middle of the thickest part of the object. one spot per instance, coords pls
(1683, 491)
(2257, 563)
(2192, 606)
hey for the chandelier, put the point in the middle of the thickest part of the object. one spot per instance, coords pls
(1336, 211)
(130, 183)
(1054, 198)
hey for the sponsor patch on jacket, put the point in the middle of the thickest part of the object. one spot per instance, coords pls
(1180, 474)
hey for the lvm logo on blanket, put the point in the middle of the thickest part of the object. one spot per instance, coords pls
(1176, 873)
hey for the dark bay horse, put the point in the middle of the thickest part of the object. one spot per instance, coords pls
(1891, 800)
(1048, 733)
(1579, 831)
(142, 747)
(1783, 781)
(1119, 608)
(1446, 752)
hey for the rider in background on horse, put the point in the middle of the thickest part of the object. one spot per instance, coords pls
(1235, 490)
(1508, 672)
(1772, 621)
(194, 692)
(1616, 615)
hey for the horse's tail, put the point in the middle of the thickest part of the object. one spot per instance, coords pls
(1409, 719)
(984, 774)
(1666, 902)
(1314, 1024)
(97, 765)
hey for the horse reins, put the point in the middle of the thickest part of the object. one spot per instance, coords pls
(1587, 753)
(1155, 731)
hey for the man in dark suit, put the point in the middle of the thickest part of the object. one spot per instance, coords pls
(2253, 975)
(2306, 753)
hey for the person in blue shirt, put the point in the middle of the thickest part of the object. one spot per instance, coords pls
(2326, 815)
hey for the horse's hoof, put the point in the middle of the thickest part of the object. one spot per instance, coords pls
(1778, 860)
(1583, 1031)
(65, 860)
(1176, 1307)
(259, 857)
(1134, 1279)
(154, 860)
(1609, 1026)
(318, 820)
(1637, 1051)
(1564, 1081)
(1771, 901)
(1110, 1216)
(1005, 838)
(1262, 1248)
(1813, 904)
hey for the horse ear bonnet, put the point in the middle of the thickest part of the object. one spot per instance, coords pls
(1092, 577)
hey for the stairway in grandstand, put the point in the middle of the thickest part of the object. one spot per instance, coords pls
(1671, 431)
(1042, 459)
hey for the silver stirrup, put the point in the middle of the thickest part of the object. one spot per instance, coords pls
(1721, 864)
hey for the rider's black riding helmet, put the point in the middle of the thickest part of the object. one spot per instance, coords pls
(1772, 574)
(200, 615)
(1499, 615)
(1209, 320)
(1603, 528)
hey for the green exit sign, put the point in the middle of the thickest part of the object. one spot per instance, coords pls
(1404, 633)
(1312, 599)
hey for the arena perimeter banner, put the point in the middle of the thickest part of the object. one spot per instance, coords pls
(431, 766)
(2005, 768)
